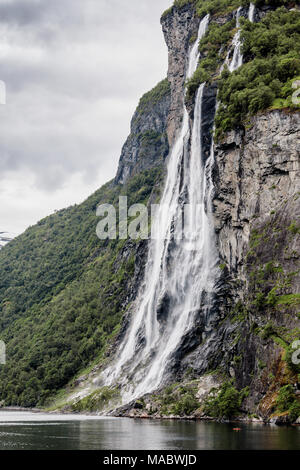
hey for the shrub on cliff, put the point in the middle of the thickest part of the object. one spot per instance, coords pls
(186, 405)
(287, 401)
(224, 403)
(271, 50)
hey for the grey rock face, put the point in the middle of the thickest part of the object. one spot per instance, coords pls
(147, 145)
(179, 26)
(257, 184)
(154, 126)
(254, 175)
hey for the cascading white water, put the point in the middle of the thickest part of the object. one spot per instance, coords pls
(180, 272)
(251, 13)
(237, 58)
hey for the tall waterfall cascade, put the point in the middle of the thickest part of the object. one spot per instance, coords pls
(251, 13)
(181, 271)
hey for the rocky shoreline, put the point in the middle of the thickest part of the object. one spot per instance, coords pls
(132, 412)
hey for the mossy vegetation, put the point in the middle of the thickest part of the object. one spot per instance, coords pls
(239, 313)
(225, 402)
(289, 299)
(98, 400)
(270, 284)
(294, 228)
(271, 51)
(287, 401)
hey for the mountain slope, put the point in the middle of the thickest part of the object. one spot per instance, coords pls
(66, 295)
(64, 292)
(256, 212)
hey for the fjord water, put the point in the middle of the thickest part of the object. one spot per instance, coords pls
(37, 431)
(181, 269)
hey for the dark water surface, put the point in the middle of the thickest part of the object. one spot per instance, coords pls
(38, 431)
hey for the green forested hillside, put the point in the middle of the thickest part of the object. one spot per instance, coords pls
(213, 7)
(62, 294)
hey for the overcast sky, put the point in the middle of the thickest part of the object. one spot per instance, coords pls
(74, 72)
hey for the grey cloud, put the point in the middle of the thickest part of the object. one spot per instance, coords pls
(21, 12)
(74, 71)
(34, 12)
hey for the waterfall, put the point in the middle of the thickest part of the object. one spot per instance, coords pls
(251, 12)
(181, 271)
(237, 59)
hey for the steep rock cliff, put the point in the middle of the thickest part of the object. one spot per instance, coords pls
(257, 182)
(147, 145)
(256, 179)
(180, 28)
(256, 214)
(256, 172)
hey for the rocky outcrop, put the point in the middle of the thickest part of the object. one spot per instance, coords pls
(180, 27)
(257, 214)
(147, 145)
(256, 173)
